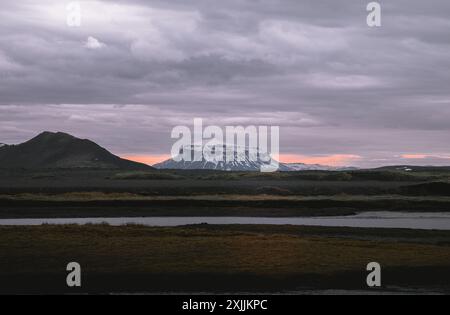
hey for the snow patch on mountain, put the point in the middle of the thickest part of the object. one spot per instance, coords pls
(229, 158)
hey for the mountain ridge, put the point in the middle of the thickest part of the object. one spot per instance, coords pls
(62, 150)
(318, 167)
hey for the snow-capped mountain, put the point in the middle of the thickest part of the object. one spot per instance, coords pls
(242, 159)
(233, 159)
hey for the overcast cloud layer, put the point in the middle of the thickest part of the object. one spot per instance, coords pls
(134, 69)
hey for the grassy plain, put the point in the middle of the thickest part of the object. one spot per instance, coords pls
(109, 193)
(220, 258)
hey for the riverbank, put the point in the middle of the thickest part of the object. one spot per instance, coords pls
(110, 205)
(231, 258)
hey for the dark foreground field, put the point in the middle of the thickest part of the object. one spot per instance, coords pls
(205, 258)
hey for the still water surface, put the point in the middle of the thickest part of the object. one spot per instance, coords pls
(425, 221)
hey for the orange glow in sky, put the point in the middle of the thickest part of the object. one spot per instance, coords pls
(415, 156)
(148, 159)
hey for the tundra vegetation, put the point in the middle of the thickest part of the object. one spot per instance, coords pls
(222, 258)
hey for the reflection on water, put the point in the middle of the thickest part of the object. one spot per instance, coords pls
(425, 221)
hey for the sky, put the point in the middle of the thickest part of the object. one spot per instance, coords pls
(342, 93)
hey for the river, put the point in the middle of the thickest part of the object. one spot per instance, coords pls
(405, 220)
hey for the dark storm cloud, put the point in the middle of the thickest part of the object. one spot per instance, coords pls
(355, 90)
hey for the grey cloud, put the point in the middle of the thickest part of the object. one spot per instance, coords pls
(232, 60)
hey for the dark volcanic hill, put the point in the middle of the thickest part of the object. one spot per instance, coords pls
(61, 150)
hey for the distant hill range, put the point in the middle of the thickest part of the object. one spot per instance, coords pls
(242, 162)
(413, 168)
(61, 150)
(316, 167)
